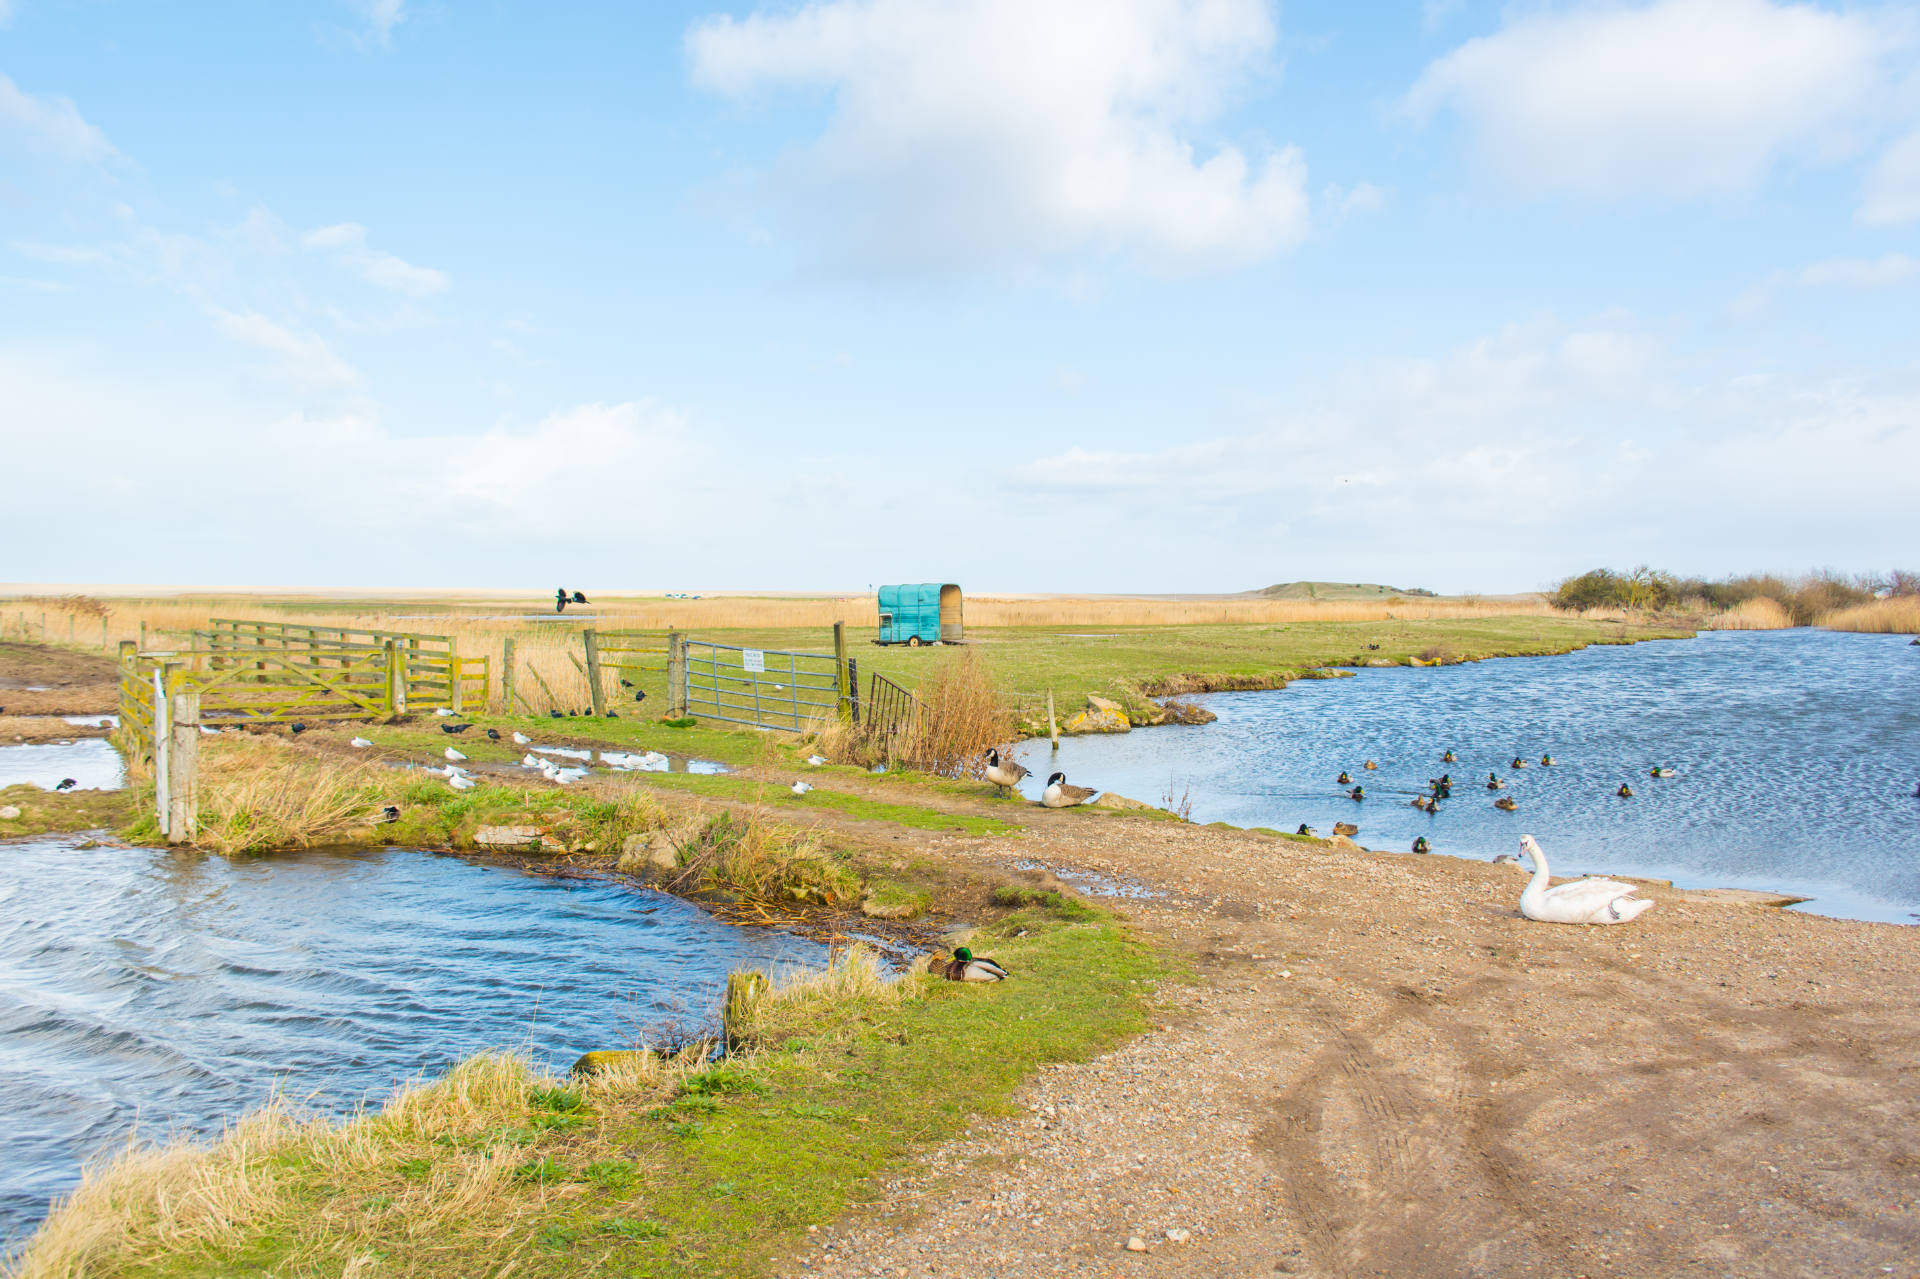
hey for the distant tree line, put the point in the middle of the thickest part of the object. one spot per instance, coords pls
(1805, 598)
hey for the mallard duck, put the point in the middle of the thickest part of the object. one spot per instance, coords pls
(1060, 795)
(1546, 761)
(966, 966)
(1517, 762)
(1420, 845)
(1345, 828)
(1004, 775)
(1449, 758)
(1494, 783)
(1370, 766)
(1506, 803)
(1421, 801)
(1657, 771)
(1357, 794)
(1625, 791)
(1310, 833)
(1344, 779)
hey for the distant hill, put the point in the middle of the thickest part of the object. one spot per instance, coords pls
(1335, 591)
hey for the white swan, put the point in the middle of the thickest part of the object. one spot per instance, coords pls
(1581, 901)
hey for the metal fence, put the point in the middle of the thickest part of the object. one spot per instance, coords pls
(768, 688)
(890, 709)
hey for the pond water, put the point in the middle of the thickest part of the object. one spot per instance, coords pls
(1797, 755)
(91, 761)
(175, 990)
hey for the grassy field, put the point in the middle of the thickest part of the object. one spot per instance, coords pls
(682, 1169)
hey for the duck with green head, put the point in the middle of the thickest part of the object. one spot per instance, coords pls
(1420, 845)
(966, 966)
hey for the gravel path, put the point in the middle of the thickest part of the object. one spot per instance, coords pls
(1383, 1070)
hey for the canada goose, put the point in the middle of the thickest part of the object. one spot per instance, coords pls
(967, 966)
(1657, 771)
(1506, 803)
(1370, 766)
(1060, 795)
(1006, 776)
(1449, 758)
(1494, 783)
(1344, 779)
(1625, 791)
(1357, 794)
(453, 755)
(360, 743)
(1420, 845)
(1517, 762)
(1345, 828)
(801, 788)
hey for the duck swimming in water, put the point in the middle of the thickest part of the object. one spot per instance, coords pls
(1449, 758)
(1494, 783)
(1370, 766)
(1658, 771)
(1421, 802)
(1343, 779)
(1625, 791)
(1546, 761)
(1518, 762)
(1420, 845)
(1357, 793)
(1506, 803)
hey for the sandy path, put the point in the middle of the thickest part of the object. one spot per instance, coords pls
(1383, 1070)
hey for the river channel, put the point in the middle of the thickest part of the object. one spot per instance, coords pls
(173, 991)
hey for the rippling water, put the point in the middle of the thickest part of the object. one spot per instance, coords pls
(175, 990)
(1798, 754)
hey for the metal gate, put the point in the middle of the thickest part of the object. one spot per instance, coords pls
(768, 688)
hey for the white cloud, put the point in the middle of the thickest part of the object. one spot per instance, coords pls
(1677, 98)
(1361, 197)
(348, 244)
(1006, 131)
(1861, 273)
(1892, 196)
(305, 358)
(53, 125)
(380, 17)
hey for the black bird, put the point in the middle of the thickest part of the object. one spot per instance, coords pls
(560, 600)
(639, 694)
(1373, 648)
(493, 734)
(578, 598)
(626, 683)
(613, 714)
(66, 783)
(391, 813)
(573, 712)
(296, 728)
(553, 715)
(455, 728)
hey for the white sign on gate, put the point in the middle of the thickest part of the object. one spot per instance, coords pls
(753, 659)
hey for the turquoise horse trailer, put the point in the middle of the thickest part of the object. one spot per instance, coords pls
(924, 613)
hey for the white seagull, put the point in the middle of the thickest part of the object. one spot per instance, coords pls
(453, 754)
(801, 788)
(360, 743)
(521, 739)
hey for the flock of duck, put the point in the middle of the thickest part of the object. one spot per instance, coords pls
(1441, 788)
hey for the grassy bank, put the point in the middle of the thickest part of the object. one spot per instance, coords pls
(46, 812)
(656, 1169)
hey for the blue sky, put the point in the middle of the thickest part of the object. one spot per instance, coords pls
(1051, 295)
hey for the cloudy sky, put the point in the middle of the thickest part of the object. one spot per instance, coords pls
(1130, 295)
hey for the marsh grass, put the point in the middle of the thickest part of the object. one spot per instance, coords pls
(259, 793)
(1761, 613)
(746, 854)
(1899, 615)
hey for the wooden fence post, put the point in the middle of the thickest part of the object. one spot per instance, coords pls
(853, 691)
(454, 698)
(183, 769)
(840, 666)
(596, 696)
(396, 682)
(103, 635)
(506, 677)
(162, 750)
(1053, 729)
(676, 675)
(143, 634)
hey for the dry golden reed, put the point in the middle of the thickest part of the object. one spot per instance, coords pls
(259, 793)
(1897, 616)
(1760, 613)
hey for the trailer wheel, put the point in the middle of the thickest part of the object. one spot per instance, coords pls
(913, 641)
